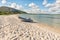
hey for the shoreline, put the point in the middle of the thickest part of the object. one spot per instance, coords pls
(39, 24)
(13, 27)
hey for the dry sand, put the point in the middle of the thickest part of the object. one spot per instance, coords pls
(12, 28)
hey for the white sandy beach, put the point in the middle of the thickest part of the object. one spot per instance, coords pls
(12, 28)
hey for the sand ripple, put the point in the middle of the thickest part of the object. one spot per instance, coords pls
(14, 29)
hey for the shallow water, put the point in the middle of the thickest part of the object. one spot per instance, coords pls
(50, 19)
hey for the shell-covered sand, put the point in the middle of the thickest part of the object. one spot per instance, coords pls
(12, 28)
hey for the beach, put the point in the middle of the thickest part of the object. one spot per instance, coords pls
(13, 28)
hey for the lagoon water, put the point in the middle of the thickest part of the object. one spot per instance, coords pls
(50, 19)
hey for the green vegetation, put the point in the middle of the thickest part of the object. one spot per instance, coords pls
(7, 11)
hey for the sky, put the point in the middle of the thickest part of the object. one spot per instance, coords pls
(33, 6)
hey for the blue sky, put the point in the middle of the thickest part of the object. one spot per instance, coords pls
(25, 3)
(37, 2)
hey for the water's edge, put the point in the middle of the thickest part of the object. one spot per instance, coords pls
(50, 19)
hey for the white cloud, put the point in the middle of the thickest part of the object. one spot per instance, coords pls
(13, 5)
(16, 6)
(33, 5)
(4, 1)
(55, 7)
(49, 5)
(33, 8)
(44, 2)
(20, 7)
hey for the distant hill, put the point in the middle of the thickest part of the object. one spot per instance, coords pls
(7, 10)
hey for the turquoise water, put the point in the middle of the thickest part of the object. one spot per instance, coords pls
(50, 19)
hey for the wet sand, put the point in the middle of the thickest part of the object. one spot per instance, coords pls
(12, 28)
